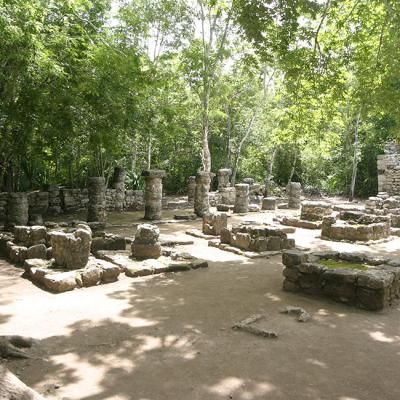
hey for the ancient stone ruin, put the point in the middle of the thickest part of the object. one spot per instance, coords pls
(312, 214)
(153, 193)
(355, 226)
(269, 203)
(366, 282)
(201, 201)
(97, 199)
(191, 189)
(224, 178)
(254, 238)
(389, 170)
(71, 250)
(293, 191)
(119, 186)
(146, 244)
(242, 198)
(17, 210)
(214, 223)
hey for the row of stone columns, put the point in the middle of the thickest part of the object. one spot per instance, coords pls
(199, 186)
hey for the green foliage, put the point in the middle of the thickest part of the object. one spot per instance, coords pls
(85, 87)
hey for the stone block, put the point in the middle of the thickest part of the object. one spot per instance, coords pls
(37, 251)
(290, 258)
(241, 240)
(71, 250)
(144, 250)
(269, 203)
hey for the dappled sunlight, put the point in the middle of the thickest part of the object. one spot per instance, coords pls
(243, 389)
(272, 297)
(380, 336)
(317, 363)
(347, 398)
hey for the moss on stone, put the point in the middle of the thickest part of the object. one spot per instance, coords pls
(333, 264)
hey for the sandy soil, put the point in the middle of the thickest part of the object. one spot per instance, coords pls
(169, 337)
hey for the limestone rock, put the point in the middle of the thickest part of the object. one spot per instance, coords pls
(71, 250)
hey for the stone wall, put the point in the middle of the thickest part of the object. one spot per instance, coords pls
(64, 200)
(389, 170)
(356, 279)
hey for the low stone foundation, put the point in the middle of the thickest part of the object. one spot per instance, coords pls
(257, 238)
(366, 282)
(312, 214)
(214, 223)
(354, 226)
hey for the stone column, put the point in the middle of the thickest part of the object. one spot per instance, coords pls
(210, 186)
(54, 200)
(3, 206)
(153, 193)
(201, 202)
(191, 188)
(228, 195)
(119, 186)
(242, 198)
(249, 181)
(269, 203)
(17, 209)
(294, 192)
(223, 178)
(97, 199)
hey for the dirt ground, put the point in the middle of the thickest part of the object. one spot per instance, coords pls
(169, 337)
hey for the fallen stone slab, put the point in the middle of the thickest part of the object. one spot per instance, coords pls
(172, 241)
(301, 314)
(185, 217)
(249, 254)
(299, 223)
(225, 207)
(246, 326)
(59, 282)
(199, 234)
(136, 268)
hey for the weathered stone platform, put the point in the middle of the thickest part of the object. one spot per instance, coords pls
(135, 268)
(355, 226)
(371, 283)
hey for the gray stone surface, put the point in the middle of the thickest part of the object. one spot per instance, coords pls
(371, 287)
(153, 193)
(17, 209)
(293, 191)
(201, 201)
(97, 199)
(224, 175)
(191, 188)
(269, 203)
(71, 250)
(146, 243)
(213, 223)
(242, 198)
(315, 210)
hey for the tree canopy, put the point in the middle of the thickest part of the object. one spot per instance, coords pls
(297, 89)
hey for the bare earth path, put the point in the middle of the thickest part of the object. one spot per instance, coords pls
(169, 337)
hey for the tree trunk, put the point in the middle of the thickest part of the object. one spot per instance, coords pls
(149, 153)
(11, 388)
(355, 158)
(269, 174)
(228, 139)
(293, 168)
